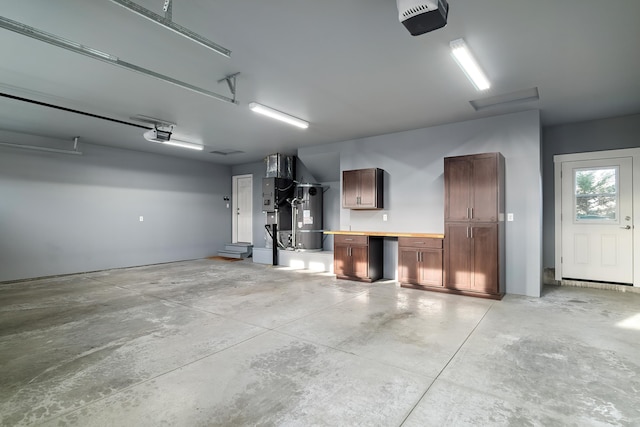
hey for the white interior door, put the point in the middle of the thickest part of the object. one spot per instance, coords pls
(242, 208)
(597, 220)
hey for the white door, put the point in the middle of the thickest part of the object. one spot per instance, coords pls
(597, 220)
(242, 208)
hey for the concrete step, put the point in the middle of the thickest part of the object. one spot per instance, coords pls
(238, 247)
(236, 250)
(227, 254)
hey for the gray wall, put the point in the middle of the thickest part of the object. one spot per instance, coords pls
(64, 214)
(414, 185)
(596, 135)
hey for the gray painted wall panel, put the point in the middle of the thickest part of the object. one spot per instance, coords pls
(597, 135)
(64, 214)
(414, 188)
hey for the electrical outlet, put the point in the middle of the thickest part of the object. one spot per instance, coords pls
(385, 217)
(509, 217)
(141, 218)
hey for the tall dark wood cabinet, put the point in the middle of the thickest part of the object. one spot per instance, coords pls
(362, 189)
(474, 225)
(357, 257)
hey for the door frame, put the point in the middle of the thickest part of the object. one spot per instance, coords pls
(634, 153)
(234, 206)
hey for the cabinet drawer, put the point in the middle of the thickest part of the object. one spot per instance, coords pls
(419, 242)
(346, 239)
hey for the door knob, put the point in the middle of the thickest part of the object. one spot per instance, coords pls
(626, 227)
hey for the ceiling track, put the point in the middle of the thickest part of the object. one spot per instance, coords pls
(166, 21)
(72, 46)
(70, 110)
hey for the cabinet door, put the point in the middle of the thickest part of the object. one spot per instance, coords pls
(458, 264)
(485, 258)
(457, 179)
(360, 261)
(350, 188)
(431, 267)
(368, 188)
(341, 261)
(485, 188)
(409, 269)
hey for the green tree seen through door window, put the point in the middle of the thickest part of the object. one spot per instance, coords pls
(596, 194)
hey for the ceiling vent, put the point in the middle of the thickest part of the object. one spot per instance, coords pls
(226, 152)
(506, 99)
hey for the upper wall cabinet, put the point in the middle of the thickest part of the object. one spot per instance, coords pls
(362, 189)
(472, 187)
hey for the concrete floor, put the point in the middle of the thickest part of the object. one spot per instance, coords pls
(219, 343)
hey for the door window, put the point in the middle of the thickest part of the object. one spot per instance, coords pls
(596, 194)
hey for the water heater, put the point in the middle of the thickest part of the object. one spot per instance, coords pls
(307, 217)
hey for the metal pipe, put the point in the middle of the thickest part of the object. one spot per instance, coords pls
(294, 220)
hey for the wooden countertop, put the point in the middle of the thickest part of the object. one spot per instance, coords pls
(386, 234)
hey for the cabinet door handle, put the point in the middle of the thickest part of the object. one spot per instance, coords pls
(472, 232)
(467, 232)
(418, 256)
(421, 257)
(348, 240)
(468, 213)
(471, 213)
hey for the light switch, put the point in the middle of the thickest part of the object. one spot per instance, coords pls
(509, 217)
(141, 218)
(385, 217)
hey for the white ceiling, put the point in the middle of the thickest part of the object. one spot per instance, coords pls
(348, 67)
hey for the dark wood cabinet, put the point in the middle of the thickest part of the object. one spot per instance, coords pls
(473, 260)
(474, 225)
(419, 262)
(362, 189)
(473, 190)
(357, 258)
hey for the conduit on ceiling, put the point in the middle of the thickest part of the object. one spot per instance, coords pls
(72, 46)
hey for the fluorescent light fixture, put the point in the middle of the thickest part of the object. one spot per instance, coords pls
(163, 136)
(469, 65)
(278, 115)
(184, 144)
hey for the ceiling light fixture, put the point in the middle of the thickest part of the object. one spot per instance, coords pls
(462, 54)
(163, 136)
(184, 144)
(278, 115)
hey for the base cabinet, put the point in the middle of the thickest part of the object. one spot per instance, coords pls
(472, 261)
(420, 262)
(357, 258)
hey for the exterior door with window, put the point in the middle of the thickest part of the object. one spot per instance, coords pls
(597, 220)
